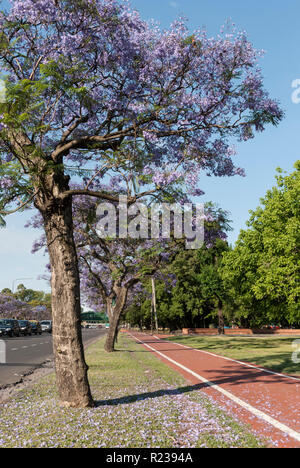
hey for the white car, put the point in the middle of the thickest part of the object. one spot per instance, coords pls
(46, 326)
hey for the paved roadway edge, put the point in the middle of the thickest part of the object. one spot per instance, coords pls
(35, 374)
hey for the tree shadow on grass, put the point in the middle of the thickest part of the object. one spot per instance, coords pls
(234, 342)
(281, 363)
(150, 395)
(229, 374)
(277, 362)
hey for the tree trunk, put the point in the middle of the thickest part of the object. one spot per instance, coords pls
(121, 293)
(109, 308)
(70, 366)
(221, 329)
(154, 302)
(112, 331)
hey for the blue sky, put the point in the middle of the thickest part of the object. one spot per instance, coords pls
(272, 26)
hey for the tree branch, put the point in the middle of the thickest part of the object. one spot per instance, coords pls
(5, 213)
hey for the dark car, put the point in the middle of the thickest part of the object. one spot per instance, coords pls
(25, 327)
(46, 326)
(9, 327)
(36, 327)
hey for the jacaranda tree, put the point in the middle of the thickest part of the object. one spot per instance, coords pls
(10, 307)
(193, 290)
(109, 268)
(91, 86)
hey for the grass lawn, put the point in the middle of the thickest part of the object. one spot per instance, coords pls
(274, 353)
(141, 403)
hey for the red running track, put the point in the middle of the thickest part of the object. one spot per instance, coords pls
(268, 401)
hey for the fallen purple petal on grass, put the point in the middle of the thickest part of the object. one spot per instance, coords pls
(132, 411)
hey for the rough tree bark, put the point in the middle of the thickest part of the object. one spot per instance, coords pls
(154, 303)
(71, 368)
(121, 297)
(56, 210)
(109, 307)
(221, 329)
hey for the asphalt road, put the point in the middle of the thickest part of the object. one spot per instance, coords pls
(27, 353)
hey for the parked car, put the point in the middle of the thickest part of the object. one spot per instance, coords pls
(46, 326)
(10, 327)
(25, 327)
(36, 327)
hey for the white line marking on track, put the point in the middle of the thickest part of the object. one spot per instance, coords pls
(260, 414)
(233, 360)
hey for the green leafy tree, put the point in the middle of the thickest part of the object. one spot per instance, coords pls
(196, 295)
(210, 280)
(7, 292)
(263, 270)
(33, 298)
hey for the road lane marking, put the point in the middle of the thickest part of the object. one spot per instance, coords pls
(2, 352)
(256, 412)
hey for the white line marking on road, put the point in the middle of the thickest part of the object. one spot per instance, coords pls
(23, 347)
(278, 425)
